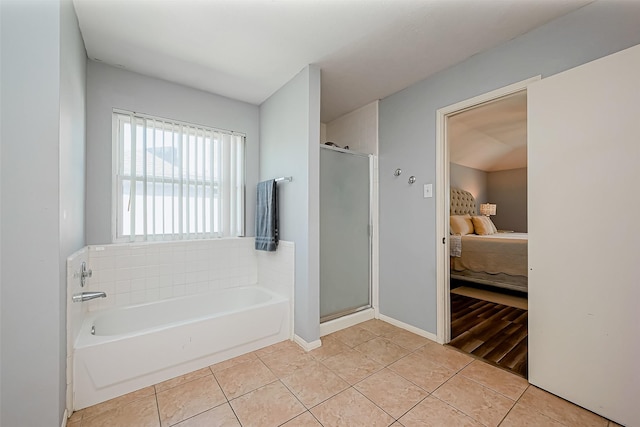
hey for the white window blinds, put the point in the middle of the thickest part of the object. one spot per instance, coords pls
(176, 180)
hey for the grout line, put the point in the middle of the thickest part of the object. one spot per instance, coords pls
(234, 412)
(155, 396)
(459, 410)
(410, 409)
(374, 403)
(491, 388)
(507, 414)
(316, 418)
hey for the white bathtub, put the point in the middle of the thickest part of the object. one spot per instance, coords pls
(137, 346)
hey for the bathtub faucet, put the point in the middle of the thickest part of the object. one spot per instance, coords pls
(86, 296)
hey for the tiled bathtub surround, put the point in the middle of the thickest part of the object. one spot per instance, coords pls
(138, 273)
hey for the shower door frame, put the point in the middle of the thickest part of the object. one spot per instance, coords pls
(370, 227)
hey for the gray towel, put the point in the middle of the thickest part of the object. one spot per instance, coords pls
(267, 216)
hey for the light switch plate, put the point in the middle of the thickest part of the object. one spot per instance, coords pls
(428, 190)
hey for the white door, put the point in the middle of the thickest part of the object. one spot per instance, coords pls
(584, 227)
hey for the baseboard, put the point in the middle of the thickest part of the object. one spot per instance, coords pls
(65, 416)
(347, 321)
(409, 328)
(307, 346)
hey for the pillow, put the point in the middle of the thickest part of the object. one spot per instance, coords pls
(461, 224)
(483, 225)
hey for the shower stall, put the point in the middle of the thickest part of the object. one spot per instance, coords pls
(345, 232)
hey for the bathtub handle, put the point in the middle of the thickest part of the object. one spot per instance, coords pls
(86, 296)
(84, 273)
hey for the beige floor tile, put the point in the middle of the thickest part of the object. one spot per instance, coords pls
(244, 377)
(184, 401)
(282, 345)
(394, 394)
(232, 362)
(220, 416)
(165, 385)
(352, 366)
(524, 416)
(444, 356)
(407, 339)
(480, 403)
(94, 410)
(304, 420)
(76, 416)
(422, 372)
(433, 412)
(379, 327)
(314, 384)
(559, 409)
(350, 409)
(330, 347)
(382, 350)
(140, 413)
(496, 379)
(268, 406)
(353, 336)
(285, 362)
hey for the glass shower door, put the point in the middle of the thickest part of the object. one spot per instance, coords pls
(345, 244)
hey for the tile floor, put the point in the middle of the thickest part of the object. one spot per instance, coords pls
(372, 374)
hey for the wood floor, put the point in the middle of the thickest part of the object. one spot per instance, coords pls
(496, 333)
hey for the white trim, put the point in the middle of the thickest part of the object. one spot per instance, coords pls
(347, 321)
(408, 327)
(307, 346)
(375, 241)
(114, 180)
(65, 417)
(443, 315)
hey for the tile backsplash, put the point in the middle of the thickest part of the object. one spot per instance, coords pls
(138, 273)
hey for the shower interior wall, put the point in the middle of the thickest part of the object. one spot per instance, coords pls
(359, 130)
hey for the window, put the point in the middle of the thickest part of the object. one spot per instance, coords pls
(176, 180)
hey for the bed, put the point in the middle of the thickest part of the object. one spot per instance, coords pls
(482, 254)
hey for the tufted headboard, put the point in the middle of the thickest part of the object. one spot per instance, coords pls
(462, 202)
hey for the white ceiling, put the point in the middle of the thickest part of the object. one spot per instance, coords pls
(248, 49)
(490, 137)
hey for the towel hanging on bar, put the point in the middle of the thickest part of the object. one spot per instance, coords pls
(267, 216)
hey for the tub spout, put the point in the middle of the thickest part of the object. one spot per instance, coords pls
(86, 296)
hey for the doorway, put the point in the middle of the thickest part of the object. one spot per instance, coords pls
(345, 238)
(461, 164)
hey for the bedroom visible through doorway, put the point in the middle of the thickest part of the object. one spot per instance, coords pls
(484, 288)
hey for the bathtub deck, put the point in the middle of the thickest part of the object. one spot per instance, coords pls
(370, 374)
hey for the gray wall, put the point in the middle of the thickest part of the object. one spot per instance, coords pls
(109, 87)
(472, 180)
(508, 190)
(43, 69)
(407, 140)
(290, 146)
